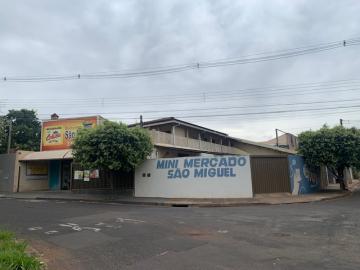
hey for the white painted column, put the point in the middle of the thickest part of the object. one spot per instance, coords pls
(173, 133)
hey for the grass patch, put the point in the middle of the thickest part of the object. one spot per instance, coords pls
(13, 254)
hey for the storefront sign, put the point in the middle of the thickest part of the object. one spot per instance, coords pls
(78, 175)
(201, 167)
(38, 168)
(86, 175)
(59, 134)
(94, 174)
(195, 177)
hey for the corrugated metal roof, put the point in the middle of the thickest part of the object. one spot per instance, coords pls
(264, 145)
(48, 155)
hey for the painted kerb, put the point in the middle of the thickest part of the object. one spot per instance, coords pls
(195, 177)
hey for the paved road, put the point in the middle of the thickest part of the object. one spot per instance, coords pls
(76, 235)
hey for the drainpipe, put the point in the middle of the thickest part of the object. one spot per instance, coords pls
(173, 132)
(199, 141)
(18, 180)
(141, 121)
(187, 137)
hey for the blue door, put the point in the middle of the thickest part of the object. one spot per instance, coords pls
(54, 175)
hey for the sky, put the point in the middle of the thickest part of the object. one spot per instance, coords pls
(41, 38)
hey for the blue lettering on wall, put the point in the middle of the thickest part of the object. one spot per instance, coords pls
(199, 173)
(173, 174)
(188, 163)
(242, 161)
(202, 167)
(213, 162)
(222, 162)
(167, 164)
(160, 164)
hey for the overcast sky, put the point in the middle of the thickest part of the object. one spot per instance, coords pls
(71, 37)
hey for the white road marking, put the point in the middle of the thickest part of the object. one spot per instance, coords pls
(51, 232)
(65, 225)
(35, 228)
(78, 228)
(223, 231)
(135, 221)
(35, 201)
(163, 253)
(73, 226)
(92, 229)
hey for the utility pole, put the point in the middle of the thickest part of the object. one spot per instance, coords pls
(9, 137)
(341, 122)
(277, 137)
(141, 121)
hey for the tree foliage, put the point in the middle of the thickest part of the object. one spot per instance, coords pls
(111, 146)
(26, 130)
(3, 134)
(337, 148)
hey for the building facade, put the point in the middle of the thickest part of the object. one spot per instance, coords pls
(53, 168)
(287, 140)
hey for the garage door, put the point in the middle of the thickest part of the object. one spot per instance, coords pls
(270, 174)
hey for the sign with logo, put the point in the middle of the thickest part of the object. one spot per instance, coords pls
(59, 134)
(195, 177)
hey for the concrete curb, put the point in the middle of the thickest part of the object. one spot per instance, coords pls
(169, 203)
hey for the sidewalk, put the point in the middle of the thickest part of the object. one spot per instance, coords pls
(260, 199)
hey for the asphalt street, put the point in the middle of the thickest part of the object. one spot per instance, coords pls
(80, 235)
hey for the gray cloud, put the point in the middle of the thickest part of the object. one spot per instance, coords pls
(69, 37)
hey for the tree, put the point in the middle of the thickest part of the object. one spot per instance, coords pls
(337, 148)
(3, 134)
(25, 133)
(111, 146)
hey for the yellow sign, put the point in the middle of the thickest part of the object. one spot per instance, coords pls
(36, 168)
(59, 134)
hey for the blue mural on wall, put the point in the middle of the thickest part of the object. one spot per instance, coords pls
(302, 181)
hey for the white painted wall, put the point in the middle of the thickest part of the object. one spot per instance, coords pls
(234, 180)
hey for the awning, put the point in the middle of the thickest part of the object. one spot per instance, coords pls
(48, 155)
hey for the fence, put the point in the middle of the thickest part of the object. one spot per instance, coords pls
(159, 137)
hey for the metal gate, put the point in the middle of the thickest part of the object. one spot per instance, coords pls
(270, 174)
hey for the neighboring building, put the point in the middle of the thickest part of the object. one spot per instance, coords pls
(176, 138)
(287, 140)
(52, 168)
(10, 171)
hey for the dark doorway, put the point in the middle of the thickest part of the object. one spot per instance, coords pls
(65, 174)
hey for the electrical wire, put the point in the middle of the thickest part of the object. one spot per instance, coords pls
(199, 65)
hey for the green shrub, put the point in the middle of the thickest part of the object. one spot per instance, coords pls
(356, 173)
(13, 254)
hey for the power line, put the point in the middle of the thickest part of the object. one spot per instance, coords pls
(313, 85)
(197, 99)
(250, 115)
(216, 108)
(199, 65)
